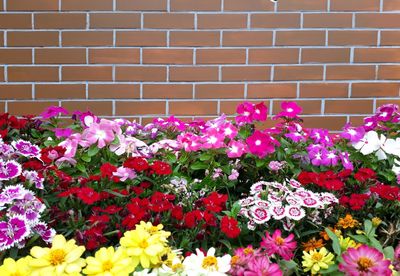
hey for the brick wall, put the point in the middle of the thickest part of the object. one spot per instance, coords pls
(339, 59)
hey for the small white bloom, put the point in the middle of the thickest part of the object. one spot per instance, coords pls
(201, 265)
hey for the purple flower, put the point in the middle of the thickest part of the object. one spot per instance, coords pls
(25, 148)
(6, 150)
(289, 109)
(329, 158)
(62, 132)
(44, 231)
(384, 113)
(9, 170)
(29, 207)
(346, 162)
(11, 193)
(13, 231)
(321, 136)
(315, 154)
(353, 134)
(295, 136)
(53, 111)
(33, 178)
(88, 118)
(370, 123)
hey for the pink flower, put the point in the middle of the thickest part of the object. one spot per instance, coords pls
(364, 261)
(229, 130)
(260, 144)
(353, 134)
(190, 141)
(236, 149)
(87, 118)
(260, 112)
(279, 245)
(62, 132)
(53, 111)
(213, 139)
(234, 175)
(245, 111)
(125, 173)
(289, 109)
(101, 133)
(262, 266)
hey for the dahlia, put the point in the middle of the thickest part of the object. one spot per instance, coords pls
(277, 244)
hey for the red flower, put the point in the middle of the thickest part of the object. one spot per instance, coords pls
(50, 154)
(355, 201)
(177, 212)
(215, 202)
(192, 218)
(386, 191)
(88, 195)
(333, 184)
(364, 174)
(107, 170)
(137, 163)
(229, 226)
(68, 192)
(161, 168)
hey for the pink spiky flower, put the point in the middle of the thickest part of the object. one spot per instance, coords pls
(276, 244)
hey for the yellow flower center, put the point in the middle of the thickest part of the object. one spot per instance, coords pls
(143, 244)
(364, 264)
(15, 274)
(317, 257)
(176, 267)
(153, 229)
(279, 241)
(248, 250)
(210, 262)
(234, 260)
(57, 256)
(107, 266)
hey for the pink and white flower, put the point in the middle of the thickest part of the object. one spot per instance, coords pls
(9, 170)
(260, 215)
(294, 212)
(125, 173)
(26, 148)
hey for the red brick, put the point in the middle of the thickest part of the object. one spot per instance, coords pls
(328, 20)
(220, 56)
(278, 20)
(15, 21)
(87, 73)
(389, 72)
(354, 5)
(247, 38)
(127, 108)
(2, 73)
(28, 5)
(298, 73)
(32, 73)
(15, 56)
(248, 5)
(114, 91)
(86, 5)
(167, 91)
(302, 5)
(60, 91)
(169, 20)
(28, 108)
(98, 108)
(32, 39)
(348, 106)
(358, 37)
(219, 91)
(331, 122)
(326, 90)
(114, 56)
(193, 73)
(87, 38)
(221, 21)
(390, 38)
(60, 21)
(325, 55)
(114, 20)
(274, 55)
(167, 56)
(309, 38)
(193, 107)
(15, 91)
(60, 56)
(194, 39)
(350, 72)
(271, 90)
(141, 38)
(308, 106)
(378, 55)
(195, 5)
(246, 73)
(391, 5)
(142, 5)
(140, 73)
(378, 20)
(367, 90)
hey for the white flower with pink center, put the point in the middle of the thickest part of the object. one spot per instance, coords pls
(246, 201)
(294, 212)
(294, 183)
(261, 203)
(311, 202)
(257, 187)
(292, 200)
(277, 211)
(260, 215)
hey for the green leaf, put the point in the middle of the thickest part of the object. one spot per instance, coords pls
(359, 238)
(81, 167)
(389, 252)
(260, 163)
(114, 193)
(205, 156)
(335, 241)
(198, 166)
(331, 269)
(235, 209)
(375, 243)
(93, 150)
(86, 158)
(368, 227)
(289, 265)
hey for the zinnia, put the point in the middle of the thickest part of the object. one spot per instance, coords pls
(364, 261)
(315, 261)
(12, 267)
(276, 244)
(200, 265)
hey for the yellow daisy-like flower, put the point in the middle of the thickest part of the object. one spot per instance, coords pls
(154, 229)
(107, 261)
(63, 258)
(11, 267)
(376, 221)
(317, 260)
(346, 243)
(143, 247)
(347, 222)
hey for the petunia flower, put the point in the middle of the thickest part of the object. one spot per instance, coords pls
(236, 149)
(260, 144)
(101, 133)
(125, 173)
(53, 111)
(289, 110)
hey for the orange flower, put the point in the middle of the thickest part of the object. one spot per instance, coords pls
(312, 244)
(325, 236)
(347, 222)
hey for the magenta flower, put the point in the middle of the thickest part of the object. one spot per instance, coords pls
(213, 139)
(25, 148)
(346, 162)
(245, 111)
(12, 232)
(295, 136)
(87, 118)
(370, 123)
(276, 244)
(101, 133)
(364, 261)
(262, 266)
(289, 109)
(125, 173)
(234, 175)
(33, 178)
(260, 112)
(329, 158)
(62, 132)
(385, 112)
(353, 134)
(321, 136)
(236, 149)
(44, 231)
(260, 144)
(190, 141)
(229, 130)
(9, 170)
(53, 111)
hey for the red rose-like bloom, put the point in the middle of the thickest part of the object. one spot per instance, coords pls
(387, 192)
(333, 184)
(177, 212)
(161, 168)
(88, 195)
(215, 202)
(107, 170)
(50, 154)
(364, 174)
(139, 164)
(229, 226)
(192, 218)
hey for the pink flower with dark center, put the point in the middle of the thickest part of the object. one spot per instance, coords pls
(295, 212)
(370, 123)
(9, 170)
(236, 149)
(88, 118)
(260, 144)
(262, 266)
(289, 109)
(26, 148)
(364, 261)
(276, 244)
(53, 111)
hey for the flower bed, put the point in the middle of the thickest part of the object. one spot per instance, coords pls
(215, 197)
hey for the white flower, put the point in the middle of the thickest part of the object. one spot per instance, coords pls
(371, 142)
(396, 167)
(392, 146)
(201, 265)
(294, 212)
(260, 215)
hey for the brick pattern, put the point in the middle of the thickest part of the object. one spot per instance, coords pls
(339, 59)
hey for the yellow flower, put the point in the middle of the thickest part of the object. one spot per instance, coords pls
(154, 230)
(11, 267)
(63, 258)
(347, 222)
(376, 221)
(346, 243)
(143, 247)
(315, 261)
(107, 261)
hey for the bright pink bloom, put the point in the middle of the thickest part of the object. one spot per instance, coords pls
(236, 149)
(289, 109)
(245, 111)
(101, 133)
(276, 244)
(229, 130)
(213, 139)
(190, 141)
(262, 266)
(53, 111)
(125, 173)
(260, 112)
(364, 261)
(260, 144)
